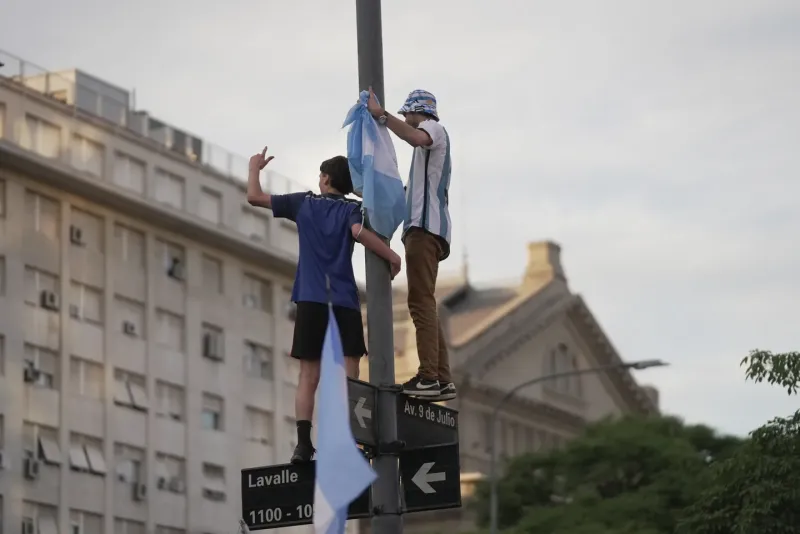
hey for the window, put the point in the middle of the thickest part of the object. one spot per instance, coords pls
(86, 378)
(560, 360)
(85, 523)
(213, 342)
(172, 257)
(258, 361)
(129, 462)
(91, 229)
(212, 275)
(214, 482)
(170, 401)
(169, 189)
(129, 246)
(213, 409)
(86, 454)
(43, 517)
(130, 315)
(41, 137)
(44, 367)
(42, 214)
(210, 207)
(87, 155)
(169, 331)
(127, 526)
(36, 282)
(170, 473)
(129, 173)
(130, 390)
(41, 443)
(254, 225)
(256, 293)
(169, 530)
(257, 425)
(86, 303)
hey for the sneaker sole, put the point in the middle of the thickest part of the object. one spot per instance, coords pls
(421, 392)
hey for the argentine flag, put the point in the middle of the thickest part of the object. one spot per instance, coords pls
(342, 471)
(373, 168)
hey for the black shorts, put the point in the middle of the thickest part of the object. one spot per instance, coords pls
(311, 323)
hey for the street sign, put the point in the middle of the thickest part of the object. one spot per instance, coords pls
(283, 495)
(361, 398)
(424, 424)
(431, 478)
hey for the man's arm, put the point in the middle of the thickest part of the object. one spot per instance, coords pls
(255, 195)
(374, 243)
(413, 136)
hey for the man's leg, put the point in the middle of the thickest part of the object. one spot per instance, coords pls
(422, 266)
(448, 389)
(351, 364)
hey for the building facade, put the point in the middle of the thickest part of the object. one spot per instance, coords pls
(143, 333)
(501, 336)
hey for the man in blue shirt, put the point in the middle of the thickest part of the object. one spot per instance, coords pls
(328, 225)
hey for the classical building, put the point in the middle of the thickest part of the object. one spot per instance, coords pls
(501, 336)
(143, 331)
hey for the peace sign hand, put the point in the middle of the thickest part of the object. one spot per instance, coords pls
(259, 161)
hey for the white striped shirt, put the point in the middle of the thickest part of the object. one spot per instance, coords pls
(428, 184)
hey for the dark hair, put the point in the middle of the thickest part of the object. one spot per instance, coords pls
(339, 171)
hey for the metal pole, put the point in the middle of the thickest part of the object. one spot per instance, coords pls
(493, 419)
(386, 489)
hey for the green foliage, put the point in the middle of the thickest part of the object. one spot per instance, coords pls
(757, 490)
(625, 476)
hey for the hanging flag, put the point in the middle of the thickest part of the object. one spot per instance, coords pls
(373, 168)
(342, 471)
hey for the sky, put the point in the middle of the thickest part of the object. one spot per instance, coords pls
(652, 140)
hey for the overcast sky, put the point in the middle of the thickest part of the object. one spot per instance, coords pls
(652, 140)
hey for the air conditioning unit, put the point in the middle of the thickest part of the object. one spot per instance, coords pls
(214, 495)
(48, 300)
(28, 526)
(76, 235)
(176, 485)
(139, 491)
(129, 328)
(31, 374)
(212, 346)
(176, 269)
(162, 483)
(31, 468)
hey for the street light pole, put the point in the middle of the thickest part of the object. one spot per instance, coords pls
(646, 364)
(386, 489)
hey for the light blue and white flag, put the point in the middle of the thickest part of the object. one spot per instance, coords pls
(342, 471)
(373, 168)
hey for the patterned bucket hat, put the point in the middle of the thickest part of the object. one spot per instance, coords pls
(420, 101)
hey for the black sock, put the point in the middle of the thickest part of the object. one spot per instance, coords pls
(304, 432)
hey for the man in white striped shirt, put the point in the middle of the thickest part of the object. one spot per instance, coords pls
(426, 234)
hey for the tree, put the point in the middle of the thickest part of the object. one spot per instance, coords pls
(757, 489)
(625, 476)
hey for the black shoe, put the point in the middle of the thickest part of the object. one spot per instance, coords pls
(303, 453)
(421, 387)
(447, 391)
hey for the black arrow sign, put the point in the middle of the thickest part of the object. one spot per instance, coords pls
(283, 496)
(424, 424)
(361, 397)
(431, 478)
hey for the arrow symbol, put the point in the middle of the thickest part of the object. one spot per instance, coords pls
(423, 477)
(361, 412)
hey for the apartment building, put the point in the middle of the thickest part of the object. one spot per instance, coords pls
(143, 333)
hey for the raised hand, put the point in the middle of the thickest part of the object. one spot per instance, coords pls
(259, 161)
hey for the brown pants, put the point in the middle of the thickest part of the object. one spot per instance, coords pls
(423, 251)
